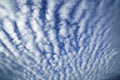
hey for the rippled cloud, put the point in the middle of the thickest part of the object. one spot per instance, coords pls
(59, 39)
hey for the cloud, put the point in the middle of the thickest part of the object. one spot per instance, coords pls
(59, 39)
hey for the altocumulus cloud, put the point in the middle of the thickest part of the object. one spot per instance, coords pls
(59, 39)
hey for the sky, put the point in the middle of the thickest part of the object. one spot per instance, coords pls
(59, 39)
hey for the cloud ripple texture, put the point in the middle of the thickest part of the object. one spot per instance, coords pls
(59, 39)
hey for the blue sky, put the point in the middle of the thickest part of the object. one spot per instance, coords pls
(59, 39)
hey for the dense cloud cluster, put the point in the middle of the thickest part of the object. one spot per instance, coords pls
(59, 39)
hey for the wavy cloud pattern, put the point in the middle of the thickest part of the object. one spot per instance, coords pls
(58, 39)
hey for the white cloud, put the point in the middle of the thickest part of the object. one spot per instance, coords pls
(94, 55)
(63, 30)
(8, 26)
(6, 4)
(50, 10)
